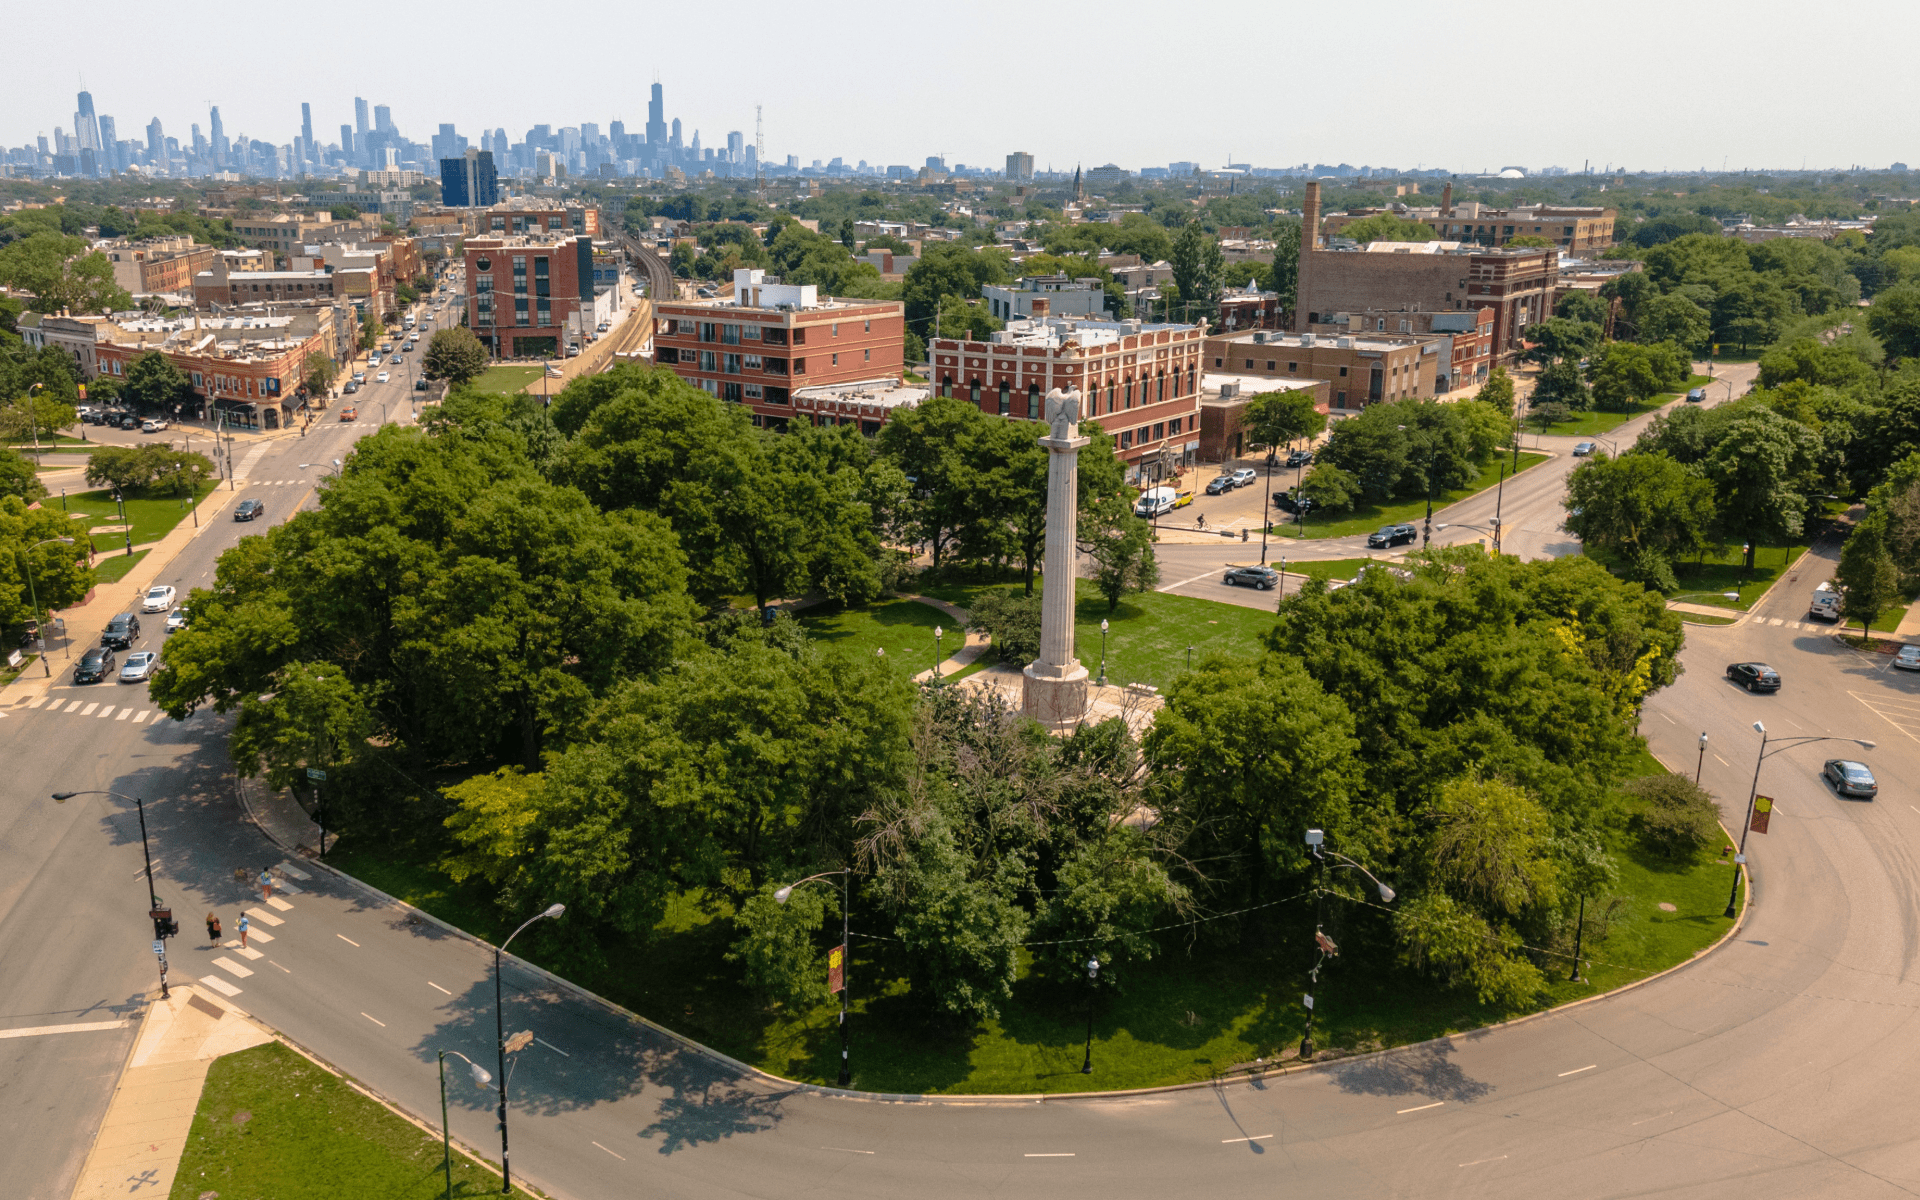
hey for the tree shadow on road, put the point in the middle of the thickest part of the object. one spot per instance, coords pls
(1414, 1071)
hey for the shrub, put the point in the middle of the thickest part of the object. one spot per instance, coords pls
(1013, 622)
(1680, 821)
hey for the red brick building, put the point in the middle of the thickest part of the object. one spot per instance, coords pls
(248, 367)
(1140, 381)
(769, 340)
(524, 293)
(1468, 356)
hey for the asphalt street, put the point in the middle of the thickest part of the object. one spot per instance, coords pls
(1778, 1066)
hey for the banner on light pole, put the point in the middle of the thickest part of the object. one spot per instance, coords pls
(1762, 812)
(837, 968)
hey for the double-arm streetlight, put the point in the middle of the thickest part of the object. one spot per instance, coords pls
(480, 1079)
(33, 594)
(1316, 842)
(1740, 857)
(500, 1035)
(846, 952)
(153, 901)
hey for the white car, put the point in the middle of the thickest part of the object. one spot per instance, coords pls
(380, 378)
(159, 598)
(153, 425)
(177, 619)
(140, 665)
(1908, 659)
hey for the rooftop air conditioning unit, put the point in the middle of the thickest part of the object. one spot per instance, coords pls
(1229, 390)
(1259, 337)
(1306, 340)
(1343, 343)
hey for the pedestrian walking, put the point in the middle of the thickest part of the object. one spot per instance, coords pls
(266, 884)
(243, 931)
(213, 929)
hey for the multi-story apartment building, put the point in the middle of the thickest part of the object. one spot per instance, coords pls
(286, 233)
(531, 215)
(249, 367)
(768, 341)
(1058, 295)
(162, 265)
(217, 286)
(1466, 358)
(1359, 370)
(525, 292)
(1140, 381)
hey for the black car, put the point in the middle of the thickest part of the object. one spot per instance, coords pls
(1300, 458)
(1391, 535)
(248, 510)
(95, 665)
(1260, 577)
(1755, 677)
(129, 422)
(1288, 502)
(1219, 484)
(419, 385)
(121, 631)
(1850, 778)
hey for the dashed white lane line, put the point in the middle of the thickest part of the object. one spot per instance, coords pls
(78, 1027)
(220, 985)
(228, 965)
(1476, 1162)
(1229, 1141)
(841, 1149)
(621, 1157)
(436, 987)
(279, 967)
(376, 1021)
(1047, 1156)
(264, 917)
(1576, 1070)
(1421, 1108)
(349, 941)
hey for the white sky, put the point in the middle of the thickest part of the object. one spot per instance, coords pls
(1467, 85)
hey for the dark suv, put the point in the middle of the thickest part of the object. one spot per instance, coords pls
(1288, 502)
(1391, 535)
(248, 510)
(95, 665)
(121, 631)
(1300, 458)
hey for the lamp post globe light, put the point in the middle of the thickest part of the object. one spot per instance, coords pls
(1102, 681)
(480, 1079)
(781, 896)
(1700, 763)
(937, 631)
(1791, 743)
(163, 926)
(1093, 980)
(1316, 843)
(500, 1036)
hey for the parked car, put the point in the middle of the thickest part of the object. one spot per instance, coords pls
(359, 376)
(386, 347)
(350, 388)
(1300, 458)
(94, 665)
(129, 422)
(1263, 578)
(573, 352)
(1696, 395)
(140, 665)
(1908, 659)
(1391, 535)
(1850, 778)
(248, 510)
(177, 619)
(121, 631)
(1755, 677)
(419, 385)
(153, 425)
(1219, 484)
(1155, 501)
(159, 598)
(1288, 502)
(1825, 605)
(380, 378)
(1583, 449)
(1244, 477)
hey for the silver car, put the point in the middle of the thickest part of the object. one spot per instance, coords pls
(140, 665)
(1908, 659)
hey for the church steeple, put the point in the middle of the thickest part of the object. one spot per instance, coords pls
(1079, 193)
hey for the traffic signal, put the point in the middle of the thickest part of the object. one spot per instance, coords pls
(164, 926)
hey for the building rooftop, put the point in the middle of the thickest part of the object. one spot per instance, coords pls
(1307, 341)
(1221, 388)
(1054, 332)
(867, 394)
(550, 237)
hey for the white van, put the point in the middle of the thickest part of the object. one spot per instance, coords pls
(1154, 501)
(1825, 605)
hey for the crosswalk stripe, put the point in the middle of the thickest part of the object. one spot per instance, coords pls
(287, 868)
(124, 714)
(1777, 621)
(88, 710)
(74, 707)
(227, 964)
(36, 702)
(277, 902)
(141, 715)
(289, 887)
(259, 935)
(267, 917)
(220, 985)
(106, 712)
(246, 952)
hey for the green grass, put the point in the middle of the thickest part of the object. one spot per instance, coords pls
(46, 440)
(271, 1123)
(506, 378)
(1326, 568)
(1586, 424)
(903, 628)
(152, 518)
(1890, 619)
(1148, 635)
(1703, 619)
(1707, 581)
(112, 568)
(1370, 517)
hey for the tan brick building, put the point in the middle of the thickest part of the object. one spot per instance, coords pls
(249, 367)
(1465, 361)
(1575, 230)
(158, 265)
(1359, 370)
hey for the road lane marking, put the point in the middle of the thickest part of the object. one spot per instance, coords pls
(1049, 1156)
(74, 707)
(281, 968)
(77, 1027)
(259, 935)
(1723, 762)
(36, 702)
(88, 710)
(124, 714)
(141, 715)
(1476, 1162)
(1577, 1070)
(376, 1021)
(1422, 1108)
(1195, 579)
(220, 985)
(1644, 1120)
(1229, 1141)
(227, 964)
(265, 917)
(277, 902)
(436, 987)
(549, 1045)
(287, 868)
(106, 712)
(349, 941)
(620, 1157)
(843, 1150)
(1669, 720)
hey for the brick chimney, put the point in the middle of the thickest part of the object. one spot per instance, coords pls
(1446, 199)
(1040, 308)
(1309, 235)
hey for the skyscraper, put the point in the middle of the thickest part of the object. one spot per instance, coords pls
(346, 141)
(86, 127)
(657, 119)
(736, 147)
(217, 137)
(673, 142)
(1020, 167)
(109, 145)
(383, 118)
(359, 147)
(306, 124)
(156, 141)
(469, 181)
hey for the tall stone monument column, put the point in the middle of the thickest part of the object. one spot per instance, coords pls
(1055, 689)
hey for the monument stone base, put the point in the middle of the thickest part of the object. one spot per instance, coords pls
(1054, 696)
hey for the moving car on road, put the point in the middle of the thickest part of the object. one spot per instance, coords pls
(153, 425)
(349, 413)
(121, 632)
(1825, 605)
(1299, 458)
(1154, 501)
(1391, 535)
(159, 598)
(248, 510)
(140, 665)
(419, 385)
(1263, 578)
(1850, 778)
(1755, 677)
(177, 619)
(1244, 477)
(1583, 449)
(380, 378)
(1696, 395)
(93, 665)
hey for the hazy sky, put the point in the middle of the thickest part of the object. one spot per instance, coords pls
(1467, 85)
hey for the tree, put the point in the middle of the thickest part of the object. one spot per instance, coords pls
(1760, 471)
(1528, 241)
(38, 413)
(1680, 820)
(846, 233)
(33, 565)
(1197, 271)
(1678, 320)
(1894, 319)
(154, 385)
(343, 212)
(1813, 362)
(1869, 581)
(1645, 509)
(1551, 412)
(1386, 227)
(371, 331)
(1560, 383)
(948, 269)
(318, 374)
(1497, 390)
(1556, 338)
(1274, 419)
(1582, 306)
(313, 718)
(19, 478)
(454, 355)
(62, 274)
(1330, 488)
(1011, 622)
(1121, 546)
(153, 465)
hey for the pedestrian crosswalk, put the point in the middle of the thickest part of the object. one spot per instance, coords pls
(262, 483)
(132, 714)
(1816, 626)
(256, 917)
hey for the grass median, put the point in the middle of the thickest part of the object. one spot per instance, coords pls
(1594, 421)
(151, 517)
(1369, 517)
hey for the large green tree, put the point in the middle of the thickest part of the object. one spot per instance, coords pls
(454, 355)
(1869, 580)
(1645, 509)
(61, 274)
(1198, 270)
(154, 385)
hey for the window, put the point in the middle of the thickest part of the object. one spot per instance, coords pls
(836, 360)
(946, 386)
(1160, 430)
(706, 360)
(706, 331)
(1339, 399)
(973, 392)
(1006, 398)
(1249, 364)
(869, 356)
(1269, 364)
(836, 329)
(752, 362)
(1343, 372)
(730, 335)
(1129, 393)
(667, 354)
(730, 391)
(799, 366)
(500, 223)
(520, 310)
(732, 364)
(546, 310)
(1219, 362)
(800, 336)
(750, 333)
(869, 328)
(753, 391)
(1126, 439)
(1033, 400)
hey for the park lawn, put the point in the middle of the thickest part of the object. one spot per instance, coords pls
(1326, 568)
(47, 441)
(1370, 517)
(112, 568)
(271, 1123)
(152, 518)
(1687, 618)
(1711, 579)
(506, 378)
(1150, 635)
(1588, 423)
(902, 628)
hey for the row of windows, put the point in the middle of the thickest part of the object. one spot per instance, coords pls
(1293, 368)
(1120, 395)
(1159, 431)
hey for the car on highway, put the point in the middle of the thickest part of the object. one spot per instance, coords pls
(177, 619)
(1244, 477)
(1391, 535)
(380, 378)
(1908, 659)
(1755, 677)
(159, 598)
(153, 425)
(349, 413)
(1221, 483)
(1299, 458)
(94, 665)
(140, 665)
(248, 510)
(1263, 578)
(1850, 778)
(121, 631)
(1583, 449)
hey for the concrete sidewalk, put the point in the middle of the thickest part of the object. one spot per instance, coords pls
(138, 1146)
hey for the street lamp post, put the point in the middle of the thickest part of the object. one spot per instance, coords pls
(500, 1034)
(1283, 578)
(1265, 500)
(937, 631)
(1740, 856)
(1701, 763)
(480, 1079)
(33, 595)
(33, 426)
(153, 900)
(1102, 681)
(1093, 979)
(1316, 842)
(846, 952)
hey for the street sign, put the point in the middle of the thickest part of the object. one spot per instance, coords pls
(1307, 1000)
(520, 1041)
(160, 948)
(316, 774)
(1762, 813)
